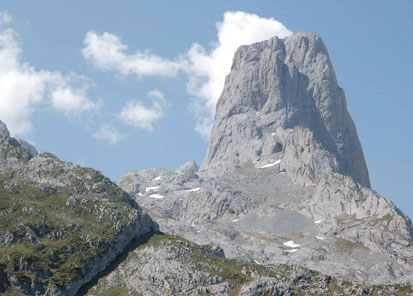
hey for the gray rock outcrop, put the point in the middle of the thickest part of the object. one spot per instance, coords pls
(281, 96)
(168, 265)
(188, 168)
(284, 179)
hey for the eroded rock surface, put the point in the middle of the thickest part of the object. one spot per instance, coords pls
(283, 96)
(284, 179)
(170, 265)
(60, 224)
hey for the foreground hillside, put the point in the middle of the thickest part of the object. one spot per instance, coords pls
(60, 224)
(160, 264)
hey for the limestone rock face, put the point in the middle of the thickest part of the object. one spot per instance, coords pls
(284, 179)
(281, 100)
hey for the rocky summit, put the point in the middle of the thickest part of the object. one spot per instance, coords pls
(281, 97)
(281, 204)
(284, 180)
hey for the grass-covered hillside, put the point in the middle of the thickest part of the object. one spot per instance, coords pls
(59, 223)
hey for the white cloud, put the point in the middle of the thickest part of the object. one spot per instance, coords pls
(72, 101)
(136, 113)
(107, 53)
(108, 133)
(156, 93)
(23, 88)
(20, 85)
(205, 69)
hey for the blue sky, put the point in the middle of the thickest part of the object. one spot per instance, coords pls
(68, 101)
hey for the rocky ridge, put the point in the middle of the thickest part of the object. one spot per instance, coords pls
(284, 180)
(282, 96)
(60, 224)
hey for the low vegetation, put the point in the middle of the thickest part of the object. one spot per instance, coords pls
(49, 234)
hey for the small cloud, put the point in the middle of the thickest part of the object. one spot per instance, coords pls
(138, 114)
(108, 133)
(156, 94)
(107, 53)
(72, 101)
(5, 18)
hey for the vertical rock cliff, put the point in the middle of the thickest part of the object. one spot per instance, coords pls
(284, 179)
(282, 100)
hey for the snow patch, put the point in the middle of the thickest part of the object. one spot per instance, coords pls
(270, 164)
(193, 190)
(159, 178)
(235, 220)
(273, 134)
(291, 244)
(321, 237)
(140, 194)
(318, 221)
(154, 188)
(158, 196)
(291, 251)
(257, 262)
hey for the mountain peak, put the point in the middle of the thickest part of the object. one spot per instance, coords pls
(281, 101)
(4, 131)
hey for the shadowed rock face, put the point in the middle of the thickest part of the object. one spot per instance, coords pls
(280, 96)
